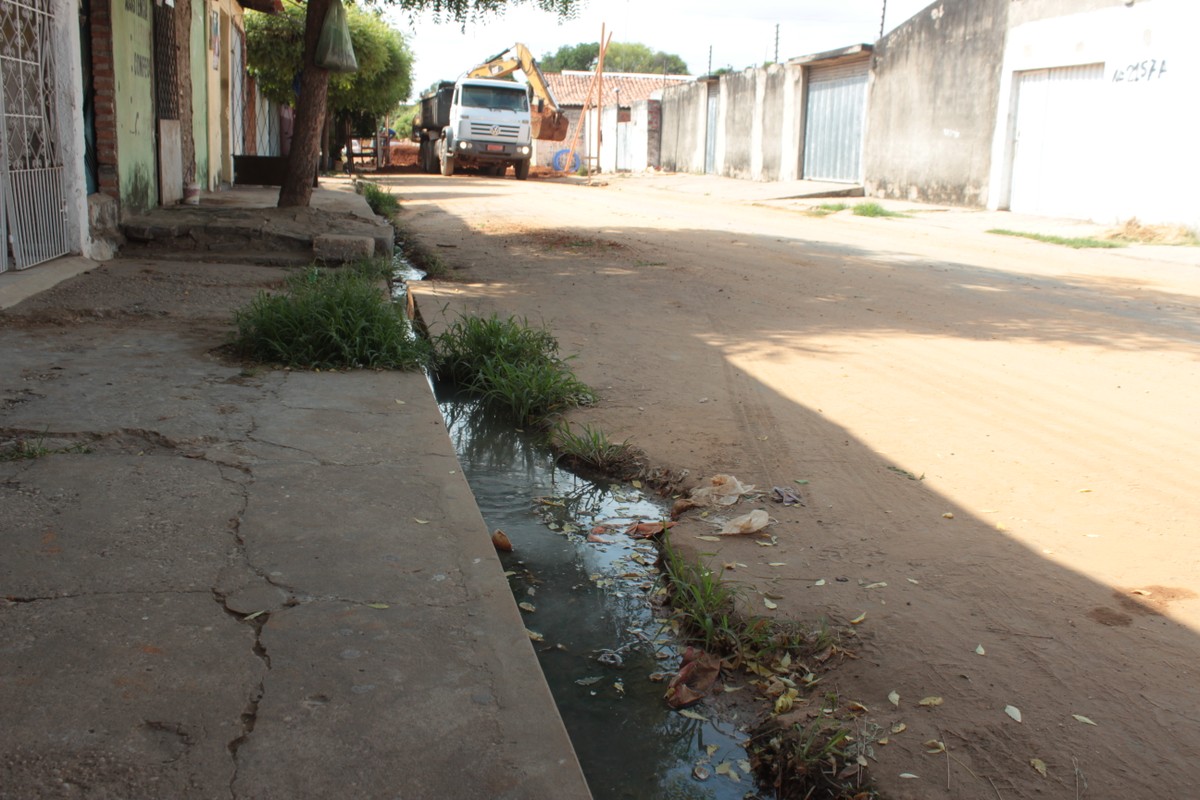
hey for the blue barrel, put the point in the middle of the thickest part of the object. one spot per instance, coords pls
(560, 160)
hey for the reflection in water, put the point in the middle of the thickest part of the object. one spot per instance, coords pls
(590, 602)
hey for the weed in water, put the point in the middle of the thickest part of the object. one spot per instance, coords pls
(591, 448)
(702, 604)
(511, 365)
(808, 761)
(329, 319)
(1076, 243)
(381, 201)
(874, 210)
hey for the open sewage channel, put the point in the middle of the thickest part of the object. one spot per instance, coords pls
(588, 607)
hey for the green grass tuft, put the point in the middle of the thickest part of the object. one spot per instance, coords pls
(825, 209)
(509, 364)
(1077, 243)
(874, 210)
(591, 448)
(381, 201)
(329, 319)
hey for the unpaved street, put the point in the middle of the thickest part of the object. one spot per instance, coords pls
(1001, 431)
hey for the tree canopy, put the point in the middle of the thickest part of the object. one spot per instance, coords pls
(275, 54)
(620, 57)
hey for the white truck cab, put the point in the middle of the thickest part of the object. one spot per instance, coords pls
(489, 128)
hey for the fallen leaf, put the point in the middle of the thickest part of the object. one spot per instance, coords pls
(857, 707)
(712, 749)
(636, 484)
(933, 746)
(948, 515)
(1039, 765)
(899, 727)
(801, 482)
(884, 740)
(914, 580)
(537, 637)
(378, 605)
(894, 696)
(693, 715)
(527, 607)
(1013, 712)
(857, 620)
(745, 765)
(771, 605)
(710, 538)
(776, 563)
(820, 582)
(1083, 719)
(249, 617)
(590, 681)
(619, 686)
(908, 775)
(930, 701)
(979, 650)
(879, 585)
(421, 521)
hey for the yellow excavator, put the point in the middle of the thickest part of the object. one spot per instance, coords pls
(548, 122)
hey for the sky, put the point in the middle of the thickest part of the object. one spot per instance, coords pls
(741, 34)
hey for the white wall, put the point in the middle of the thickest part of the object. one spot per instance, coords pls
(1144, 139)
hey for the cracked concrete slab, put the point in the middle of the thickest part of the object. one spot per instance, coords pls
(223, 581)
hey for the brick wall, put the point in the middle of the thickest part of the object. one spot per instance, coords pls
(105, 86)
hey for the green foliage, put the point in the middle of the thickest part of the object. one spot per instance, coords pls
(22, 449)
(874, 210)
(1076, 243)
(402, 120)
(509, 364)
(329, 319)
(620, 57)
(591, 448)
(275, 53)
(703, 604)
(381, 201)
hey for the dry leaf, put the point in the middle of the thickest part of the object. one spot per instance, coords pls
(1013, 712)
(770, 604)
(948, 515)
(710, 538)
(776, 563)
(884, 740)
(712, 749)
(933, 746)
(894, 696)
(256, 614)
(820, 582)
(526, 607)
(378, 605)
(693, 715)
(879, 585)
(908, 775)
(979, 650)
(899, 727)
(1083, 719)
(930, 701)
(859, 618)
(745, 765)
(636, 484)
(914, 580)
(421, 521)
(537, 637)
(1039, 765)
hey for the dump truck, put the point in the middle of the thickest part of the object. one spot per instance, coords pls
(487, 121)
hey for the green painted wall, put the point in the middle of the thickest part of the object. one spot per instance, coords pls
(133, 70)
(201, 63)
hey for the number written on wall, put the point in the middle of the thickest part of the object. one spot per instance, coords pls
(139, 7)
(1148, 70)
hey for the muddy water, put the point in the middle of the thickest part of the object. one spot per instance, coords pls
(604, 654)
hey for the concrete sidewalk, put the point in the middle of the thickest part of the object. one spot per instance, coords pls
(231, 582)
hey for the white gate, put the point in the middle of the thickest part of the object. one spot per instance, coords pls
(833, 122)
(237, 82)
(33, 209)
(1057, 139)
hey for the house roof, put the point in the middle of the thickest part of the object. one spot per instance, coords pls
(570, 87)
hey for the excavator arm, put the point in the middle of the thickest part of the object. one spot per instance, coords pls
(549, 122)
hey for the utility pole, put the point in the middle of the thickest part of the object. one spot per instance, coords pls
(777, 42)
(709, 60)
(882, 19)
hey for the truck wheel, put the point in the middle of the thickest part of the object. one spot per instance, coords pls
(521, 169)
(447, 160)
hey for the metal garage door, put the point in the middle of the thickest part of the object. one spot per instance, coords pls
(833, 122)
(1056, 139)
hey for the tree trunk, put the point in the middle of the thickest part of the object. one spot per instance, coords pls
(183, 25)
(310, 115)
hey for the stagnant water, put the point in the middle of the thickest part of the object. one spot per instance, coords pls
(604, 654)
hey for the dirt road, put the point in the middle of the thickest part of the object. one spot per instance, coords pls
(999, 430)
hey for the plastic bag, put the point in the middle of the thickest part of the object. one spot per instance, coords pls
(722, 490)
(335, 51)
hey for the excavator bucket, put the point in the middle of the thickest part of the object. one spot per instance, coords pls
(550, 125)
